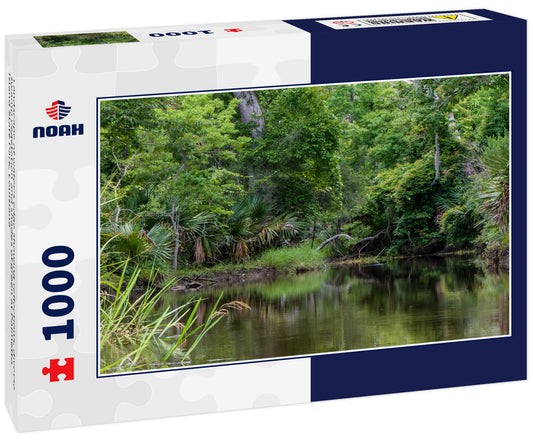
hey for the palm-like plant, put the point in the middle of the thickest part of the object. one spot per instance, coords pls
(494, 194)
(137, 244)
(198, 229)
(194, 228)
(251, 225)
(458, 214)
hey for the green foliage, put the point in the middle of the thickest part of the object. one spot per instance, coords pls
(132, 243)
(251, 226)
(459, 218)
(485, 113)
(93, 38)
(127, 320)
(419, 162)
(357, 230)
(299, 152)
(400, 201)
(402, 167)
(293, 258)
(494, 192)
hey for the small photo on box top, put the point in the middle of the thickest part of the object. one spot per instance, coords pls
(270, 223)
(93, 38)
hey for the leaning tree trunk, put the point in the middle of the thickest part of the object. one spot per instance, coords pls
(250, 110)
(333, 238)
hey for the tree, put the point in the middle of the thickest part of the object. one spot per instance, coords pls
(232, 174)
(299, 152)
(251, 112)
(181, 162)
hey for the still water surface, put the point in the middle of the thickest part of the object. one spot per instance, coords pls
(353, 307)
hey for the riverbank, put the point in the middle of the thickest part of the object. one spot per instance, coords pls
(296, 260)
(418, 300)
(259, 270)
(195, 280)
(268, 266)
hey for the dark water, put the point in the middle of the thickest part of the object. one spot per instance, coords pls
(356, 307)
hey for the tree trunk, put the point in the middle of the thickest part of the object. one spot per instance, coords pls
(437, 158)
(250, 110)
(436, 100)
(333, 238)
(176, 253)
(368, 240)
(314, 232)
(453, 126)
(176, 227)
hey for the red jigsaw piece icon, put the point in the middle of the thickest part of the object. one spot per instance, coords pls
(55, 369)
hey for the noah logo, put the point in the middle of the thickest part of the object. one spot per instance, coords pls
(58, 111)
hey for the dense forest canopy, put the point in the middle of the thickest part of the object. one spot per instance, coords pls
(401, 167)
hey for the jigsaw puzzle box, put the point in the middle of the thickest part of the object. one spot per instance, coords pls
(215, 217)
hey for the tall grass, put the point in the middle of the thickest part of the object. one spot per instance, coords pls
(293, 258)
(127, 319)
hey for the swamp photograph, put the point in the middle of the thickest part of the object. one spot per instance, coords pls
(90, 38)
(257, 224)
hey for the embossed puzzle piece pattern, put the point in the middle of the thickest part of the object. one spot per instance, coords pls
(70, 399)
(176, 70)
(57, 200)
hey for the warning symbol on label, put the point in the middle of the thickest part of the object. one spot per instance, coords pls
(402, 20)
(446, 17)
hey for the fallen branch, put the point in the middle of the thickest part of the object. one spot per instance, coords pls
(333, 238)
(367, 241)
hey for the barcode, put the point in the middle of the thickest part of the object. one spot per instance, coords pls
(397, 21)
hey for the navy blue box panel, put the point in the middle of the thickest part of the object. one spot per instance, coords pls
(415, 368)
(396, 52)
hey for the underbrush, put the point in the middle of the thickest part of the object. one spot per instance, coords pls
(293, 258)
(133, 321)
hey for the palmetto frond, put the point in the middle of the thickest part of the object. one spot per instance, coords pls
(161, 238)
(252, 224)
(129, 240)
(456, 197)
(494, 195)
(135, 243)
(195, 225)
(495, 157)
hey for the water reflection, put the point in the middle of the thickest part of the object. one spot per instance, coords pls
(433, 299)
(356, 307)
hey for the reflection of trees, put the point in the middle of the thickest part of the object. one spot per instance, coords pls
(357, 307)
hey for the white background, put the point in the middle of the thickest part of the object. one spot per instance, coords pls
(487, 414)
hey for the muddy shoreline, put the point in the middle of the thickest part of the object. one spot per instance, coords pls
(193, 282)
